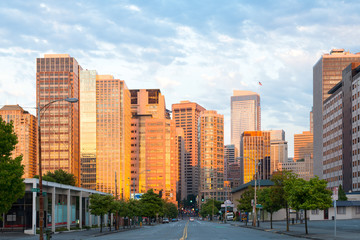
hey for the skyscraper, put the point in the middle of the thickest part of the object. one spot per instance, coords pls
(256, 149)
(113, 136)
(278, 150)
(303, 145)
(57, 77)
(25, 128)
(186, 115)
(245, 115)
(211, 145)
(327, 72)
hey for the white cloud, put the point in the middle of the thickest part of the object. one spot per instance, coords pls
(133, 8)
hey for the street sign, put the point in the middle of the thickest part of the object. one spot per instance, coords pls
(35, 190)
(259, 206)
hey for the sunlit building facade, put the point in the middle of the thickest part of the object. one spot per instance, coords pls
(303, 145)
(113, 126)
(57, 77)
(25, 128)
(161, 157)
(278, 150)
(186, 115)
(88, 128)
(327, 72)
(211, 153)
(256, 150)
(245, 115)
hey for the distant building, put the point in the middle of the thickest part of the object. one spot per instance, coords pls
(57, 77)
(327, 72)
(303, 145)
(278, 150)
(245, 115)
(25, 128)
(303, 167)
(256, 150)
(211, 154)
(186, 115)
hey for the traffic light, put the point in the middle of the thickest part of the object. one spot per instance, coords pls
(190, 201)
(202, 199)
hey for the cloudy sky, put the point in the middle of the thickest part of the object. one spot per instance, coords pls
(192, 50)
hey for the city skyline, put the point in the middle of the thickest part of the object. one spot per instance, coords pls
(187, 50)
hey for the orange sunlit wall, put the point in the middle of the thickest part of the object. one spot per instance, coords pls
(25, 128)
(57, 77)
(256, 148)
(161, 157)
(113, 136)
(211, 156)
(186, 115)
(303, 145)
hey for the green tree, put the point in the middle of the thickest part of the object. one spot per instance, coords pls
(210, 208)
(245, 201)
(280, 179)
(341, 194)
(151, 204)
(12, 186)
(170, 210)
(133, 208)
(308, 195)
(59, 176)
(100, 205)
(271, 200)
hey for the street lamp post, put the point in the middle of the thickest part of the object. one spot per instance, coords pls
(41, 197)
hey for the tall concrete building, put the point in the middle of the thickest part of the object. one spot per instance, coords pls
(180, 148)
(88, 128)
(245, 115)
(186, 115)
(303, 145)
(154, 145)
(229, 157)
(232, 171)
(211, 152)
(327, 72)
(25, 128)
(256, 149)
(278, 150)
(341, 141)
(57, 77)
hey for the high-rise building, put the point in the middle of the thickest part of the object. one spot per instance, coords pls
(341, 144)
(229, 157)
(180, 148)
(256, 150)
(245, 115)
(231, 166)
(327, 72)
(25, 128)
(113, 121)
(278, 150)
(302, 168)
(161, 157)
(155, 146)
(57, 77)
(303, 145)
(211, 152)
(88, 127)
(186, 115)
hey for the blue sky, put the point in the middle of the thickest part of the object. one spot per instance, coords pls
(192, 50)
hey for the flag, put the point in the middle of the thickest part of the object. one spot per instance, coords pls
(260, 83)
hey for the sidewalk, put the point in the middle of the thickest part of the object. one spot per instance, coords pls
(324, 230)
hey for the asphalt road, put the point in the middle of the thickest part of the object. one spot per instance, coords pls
(197, 230)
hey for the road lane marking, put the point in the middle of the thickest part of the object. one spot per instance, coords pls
(184, 236)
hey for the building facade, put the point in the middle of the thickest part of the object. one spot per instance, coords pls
(303, 145)
(211, 152)
(186, 115)
(245, 115)
(327, 72)
(256, 155)
(57, 77)
(25, 128)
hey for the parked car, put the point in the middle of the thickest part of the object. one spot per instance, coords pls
(191, 219)
(165, 220)
(174, 220)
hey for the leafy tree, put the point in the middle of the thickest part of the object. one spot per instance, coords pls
(133, 208)
(245, 200)
(280, 179)
(170, 210)
(59, 176)
(12, 186)
(211, 207)
(308, 195)
(341, 194)
(271, 200)
(100, 205)
(151, 204)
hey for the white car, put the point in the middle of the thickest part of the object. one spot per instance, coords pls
(191, 219)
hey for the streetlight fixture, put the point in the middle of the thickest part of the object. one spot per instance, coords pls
(41, 197)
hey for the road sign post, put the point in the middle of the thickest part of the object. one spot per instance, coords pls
(335, 198)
